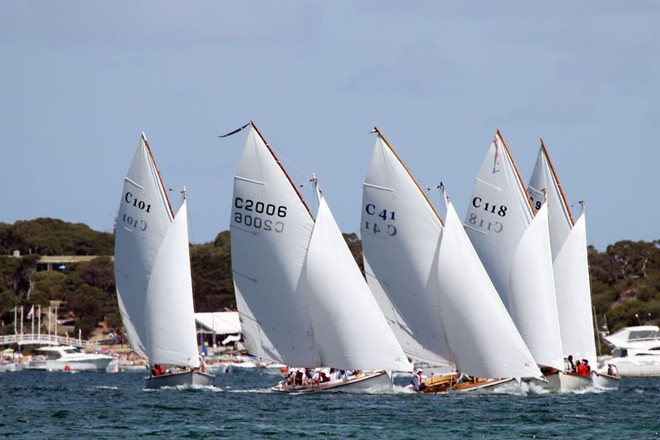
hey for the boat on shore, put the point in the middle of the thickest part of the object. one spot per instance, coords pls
(68, 358)
(11, 361)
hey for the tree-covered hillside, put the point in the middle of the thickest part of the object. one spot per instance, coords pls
(625, 278)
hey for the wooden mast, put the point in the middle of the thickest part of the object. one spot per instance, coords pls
(160, 179)
(515, 168)
(556, 179)
(282, 168)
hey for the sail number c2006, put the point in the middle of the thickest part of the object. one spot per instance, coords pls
(252, 220)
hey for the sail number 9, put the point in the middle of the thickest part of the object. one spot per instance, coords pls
(257, 221)
(375, 226)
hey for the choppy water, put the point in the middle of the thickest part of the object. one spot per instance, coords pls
(100, 405)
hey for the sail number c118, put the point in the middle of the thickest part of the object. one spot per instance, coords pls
(491, 208)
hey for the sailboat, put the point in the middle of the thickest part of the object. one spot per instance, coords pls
(301, 298)
(568, 244)
(512, 240)
(431, 284)
(152, 274)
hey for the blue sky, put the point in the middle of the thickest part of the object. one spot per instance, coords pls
(80, 80)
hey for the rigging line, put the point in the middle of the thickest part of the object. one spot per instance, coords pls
(291, 165)
(235, 131)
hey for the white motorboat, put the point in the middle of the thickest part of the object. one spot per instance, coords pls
(10, 366)
(68, 358)
(639, 337)
(636, 351)
(637, 363)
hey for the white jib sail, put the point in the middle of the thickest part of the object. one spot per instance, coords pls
(270, 231)
(484, 340)
(574, 295)
(532, 304)
(143, 220)
(400, 234)
(498, 223)
(350, 330)
(169, 311)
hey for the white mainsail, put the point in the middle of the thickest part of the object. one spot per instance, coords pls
(152, 268)
(544, 185)
(270, 231)
(570, 265)
(300, 295)
(400, 234)
(448, 277)
(514, 247)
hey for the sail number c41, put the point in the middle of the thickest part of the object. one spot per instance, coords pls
(376, 226)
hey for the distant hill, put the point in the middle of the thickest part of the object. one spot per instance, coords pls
(48, 236)
(625, 279)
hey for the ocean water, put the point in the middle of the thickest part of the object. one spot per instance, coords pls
(41, 405)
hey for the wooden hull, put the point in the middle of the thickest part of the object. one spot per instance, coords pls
(187, 379)
(450, 384)
(376, 381)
